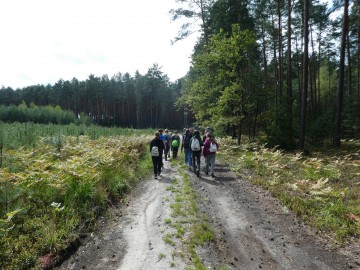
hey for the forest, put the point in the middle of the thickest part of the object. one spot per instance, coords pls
(141, 101)
(287, 71)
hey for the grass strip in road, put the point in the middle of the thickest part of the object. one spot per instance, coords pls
(187, 222)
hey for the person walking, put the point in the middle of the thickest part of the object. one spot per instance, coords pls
(195, 145)
(161, 131)
(186, 146)
(167, 140)
(156, 150)
(209, 151)
(170, 141)
(175, 144)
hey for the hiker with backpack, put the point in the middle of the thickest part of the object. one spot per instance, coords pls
(167, 141)
(175, 144)
(209, 151)
(186, 146)
(156, 150)
(195, 145)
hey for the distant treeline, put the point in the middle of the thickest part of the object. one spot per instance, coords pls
(142, 101)
(35, 114)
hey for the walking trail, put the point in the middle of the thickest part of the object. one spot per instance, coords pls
(251, 230)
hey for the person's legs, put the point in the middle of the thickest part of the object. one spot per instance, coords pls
(186, 155)
(167, 148)
(212, 164)
(207, 163)
(198, 163)
(190, 158)
(154, 161)
(159, 165)
(193, 158)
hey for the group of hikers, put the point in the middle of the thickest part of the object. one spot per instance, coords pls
(191, 143)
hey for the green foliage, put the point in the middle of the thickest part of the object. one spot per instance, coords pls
(35, 114)
(48, 197)
(278, 130)
(225, 75)
(15, 135)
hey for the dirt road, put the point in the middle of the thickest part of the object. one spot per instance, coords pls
(252, 231)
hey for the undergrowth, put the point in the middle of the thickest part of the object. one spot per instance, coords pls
(323, 187)
(52, 194)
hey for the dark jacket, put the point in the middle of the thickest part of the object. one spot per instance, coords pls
(186, 141)
(159, 143)
(200, 141)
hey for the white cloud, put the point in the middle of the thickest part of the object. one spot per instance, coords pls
(45, 40)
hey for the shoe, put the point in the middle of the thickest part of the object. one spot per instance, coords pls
(212, 175)
(207, 173)
(155, 176)
(198, 173)
(159, 172)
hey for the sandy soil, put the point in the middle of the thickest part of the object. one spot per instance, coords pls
(252, 231)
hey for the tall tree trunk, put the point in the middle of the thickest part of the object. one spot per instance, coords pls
(340, 88)
(358, 61)
(281, 73)
(298, 68)
(305, 76)
(349, 64)
(313, 76)
(276, 70)
(289, 67)
(266, 76)
(318, 80)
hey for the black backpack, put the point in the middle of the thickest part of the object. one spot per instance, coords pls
(187, 141)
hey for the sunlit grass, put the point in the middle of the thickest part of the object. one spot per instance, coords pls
(49, 196)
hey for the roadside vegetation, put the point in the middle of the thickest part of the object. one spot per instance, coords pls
(322, 187)
(55, 181)
(15, 135)
(53, 191)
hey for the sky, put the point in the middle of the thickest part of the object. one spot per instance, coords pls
(42, 41)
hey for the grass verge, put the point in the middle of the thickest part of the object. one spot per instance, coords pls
(323, 188)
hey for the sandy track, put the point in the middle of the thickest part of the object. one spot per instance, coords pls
(133, 237)
(253, 231)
